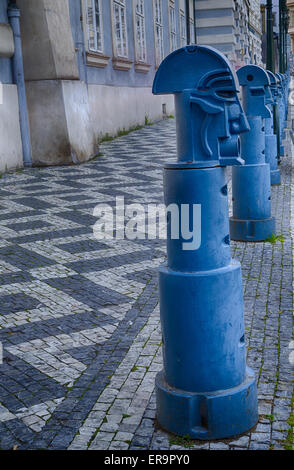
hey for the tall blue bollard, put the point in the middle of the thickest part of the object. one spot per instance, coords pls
(287, 75)
(281, 111)
(285, 99)
(251, 183)
(205, 390)
(271, 149)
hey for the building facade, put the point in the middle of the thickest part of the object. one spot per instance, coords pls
(255, 33)
(232, 26)
(89, 65)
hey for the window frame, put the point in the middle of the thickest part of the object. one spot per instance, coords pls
(183, 30)
(94, 58)
(172, 33)
(89, 48)
(121, 4)
(159, 53)
(140, 59)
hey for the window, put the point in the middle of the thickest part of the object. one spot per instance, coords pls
(159, 55)
(94, 25)
(172, 26)
(183, 29)
(120, 28)
(140, 37)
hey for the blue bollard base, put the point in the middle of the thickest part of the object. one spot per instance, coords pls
(223, 414)
(275, 177)
(252, 230)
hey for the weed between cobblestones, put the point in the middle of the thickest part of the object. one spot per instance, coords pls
(275, 238)
(184, 441)
(121, 133)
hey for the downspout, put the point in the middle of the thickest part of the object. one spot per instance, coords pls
(188, 21)
(80, 46)
(194, 14)
(18, 77)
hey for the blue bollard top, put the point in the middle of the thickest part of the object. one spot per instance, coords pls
(256, 90)
(209, 114)
(279, 85)
(274, 86)
(281, 79)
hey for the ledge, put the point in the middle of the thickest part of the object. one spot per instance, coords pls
(119, 63)
(94, 59)
(140, 67)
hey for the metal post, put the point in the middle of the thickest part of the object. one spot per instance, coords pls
(271, 147)
(194, 15)
(281, 36)
(188, 21)
(18, 73)
(270, 37)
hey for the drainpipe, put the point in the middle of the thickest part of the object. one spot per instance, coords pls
(18, 75)
(194, 14)
(188, 21)
(80, 46)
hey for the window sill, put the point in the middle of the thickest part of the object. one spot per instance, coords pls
(120, 63)
(141, 67)
(94, 59)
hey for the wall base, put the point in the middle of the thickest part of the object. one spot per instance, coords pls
(60, 124)
(11, 156)
(116, 108)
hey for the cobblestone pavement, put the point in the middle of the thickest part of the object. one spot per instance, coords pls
(79, 318)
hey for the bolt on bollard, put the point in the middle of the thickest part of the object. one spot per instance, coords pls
(251, 183)
(271, 148)
(205, 390)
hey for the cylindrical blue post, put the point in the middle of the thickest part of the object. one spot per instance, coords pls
(206, 390)
(18, 73)
(271, 147)
(251, 184)
(281, 107)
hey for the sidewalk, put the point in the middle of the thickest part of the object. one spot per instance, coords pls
(79, 318)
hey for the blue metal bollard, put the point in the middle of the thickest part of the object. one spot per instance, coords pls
(285, 99)
(251, 184)
(205, 390)
(271, 148)
(281, 111)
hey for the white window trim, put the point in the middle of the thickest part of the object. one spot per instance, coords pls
(94, 58)
(115, 52)
(158, 60)
(171, 5)
(101, 26)
(137, 52)
(183, 33)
